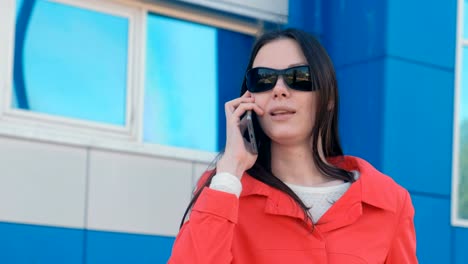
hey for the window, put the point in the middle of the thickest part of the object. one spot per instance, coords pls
(460, 156)
(181, 84)
(72, 68)
(50, 35)
(191, 70)
(123, 75)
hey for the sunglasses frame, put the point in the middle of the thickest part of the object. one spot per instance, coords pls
(278, 73)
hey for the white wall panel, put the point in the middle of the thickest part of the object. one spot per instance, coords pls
(137, 194)
(42, 183)
(198, 170)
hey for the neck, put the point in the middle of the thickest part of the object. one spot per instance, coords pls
(295, 164)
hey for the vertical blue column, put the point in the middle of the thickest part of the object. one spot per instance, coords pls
(418, 118)
(419, 93)
(233, 55)
(354, 36)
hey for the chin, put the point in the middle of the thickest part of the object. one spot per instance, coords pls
(284, 138)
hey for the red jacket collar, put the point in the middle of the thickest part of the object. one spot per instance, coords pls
(369, 189)
(372, 182)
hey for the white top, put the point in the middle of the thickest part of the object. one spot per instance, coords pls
(224, 181)
(318, 199)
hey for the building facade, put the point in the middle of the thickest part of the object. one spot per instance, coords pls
(110, 111)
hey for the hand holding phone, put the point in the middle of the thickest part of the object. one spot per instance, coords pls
(240, 152)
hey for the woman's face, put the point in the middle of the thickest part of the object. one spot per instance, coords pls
(289, 114)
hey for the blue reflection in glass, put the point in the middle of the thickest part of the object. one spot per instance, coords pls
(464, 88)
(74, 63)
(181, 84)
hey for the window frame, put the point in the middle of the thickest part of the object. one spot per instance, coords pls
(460, 44)
(63, 130)
(37, 122)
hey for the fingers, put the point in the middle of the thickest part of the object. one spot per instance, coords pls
(243, 107)
(230, 106)
(245, 98)
(247, 94)
(236, 108)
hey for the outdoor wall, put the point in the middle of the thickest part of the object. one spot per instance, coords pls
(68, 204)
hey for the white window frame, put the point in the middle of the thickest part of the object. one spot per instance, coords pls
(23, 121)
(460, 44)
(36, 126)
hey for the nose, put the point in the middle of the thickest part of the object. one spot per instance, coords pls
(281, 89)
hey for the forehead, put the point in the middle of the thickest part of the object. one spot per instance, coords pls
(279, 54)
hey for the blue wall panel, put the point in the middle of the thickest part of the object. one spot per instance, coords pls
(361, 89)
(418, 126)
(233, 57)
(21, 243)
(306, 15)
(432, 221)
(296, 13)
(423, 30)
(354, 31)
(110, 247)
(461, 245)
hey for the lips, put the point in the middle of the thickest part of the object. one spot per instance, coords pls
(278, 111)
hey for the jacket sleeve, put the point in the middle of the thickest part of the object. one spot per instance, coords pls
(403, 247)
(207, 236)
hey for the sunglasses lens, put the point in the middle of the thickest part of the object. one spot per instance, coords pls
(260, 79)
(264, 79)
(298, 78)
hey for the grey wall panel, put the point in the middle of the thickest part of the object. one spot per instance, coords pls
(42, 183)
(137, 194)
(198, 170)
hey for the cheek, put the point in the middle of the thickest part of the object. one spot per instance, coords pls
(311, 103)
(261, 101)
(309, 111)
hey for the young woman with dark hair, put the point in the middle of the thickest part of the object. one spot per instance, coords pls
(299, 200)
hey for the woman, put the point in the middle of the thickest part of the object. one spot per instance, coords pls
(299, 200)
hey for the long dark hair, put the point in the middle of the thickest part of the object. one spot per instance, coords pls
(325, 130)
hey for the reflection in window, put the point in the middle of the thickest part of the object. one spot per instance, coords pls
(181, 84)
(463, 126)
(70, 62)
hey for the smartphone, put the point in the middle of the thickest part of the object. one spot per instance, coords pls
(250, 135)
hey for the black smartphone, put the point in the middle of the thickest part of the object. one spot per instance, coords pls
(249, 133)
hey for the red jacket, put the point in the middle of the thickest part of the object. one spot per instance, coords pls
(371, 223)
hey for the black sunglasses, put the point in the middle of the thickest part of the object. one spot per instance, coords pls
(263, 79)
